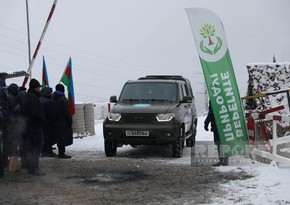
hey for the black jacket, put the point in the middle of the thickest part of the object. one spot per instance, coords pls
(64, 119)
(4, 109)
(63, 123)
(31, 109)
(47, 107)
(210, 119)
(13, 98)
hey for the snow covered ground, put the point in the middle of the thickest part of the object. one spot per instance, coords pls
(270, 185)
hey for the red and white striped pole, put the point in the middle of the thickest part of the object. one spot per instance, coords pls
(39, 42)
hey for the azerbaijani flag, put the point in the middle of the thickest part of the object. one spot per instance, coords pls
(44, 74)
(67, 80)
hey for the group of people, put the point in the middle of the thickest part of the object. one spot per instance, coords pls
(31, 122)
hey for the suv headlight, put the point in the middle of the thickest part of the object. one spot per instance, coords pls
(165, 117)
(114, 116)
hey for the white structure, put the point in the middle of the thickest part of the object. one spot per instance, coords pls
(83, 120)
(274, 153)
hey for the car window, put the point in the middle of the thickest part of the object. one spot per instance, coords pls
(149, 91)
(183, 91)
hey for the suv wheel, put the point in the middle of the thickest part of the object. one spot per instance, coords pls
(110, 148)
(177, 146)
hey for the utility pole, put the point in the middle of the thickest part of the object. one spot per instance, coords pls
(28, 35)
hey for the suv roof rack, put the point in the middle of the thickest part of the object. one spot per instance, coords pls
(173, 77)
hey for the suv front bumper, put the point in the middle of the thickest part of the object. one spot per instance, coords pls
(161, 133)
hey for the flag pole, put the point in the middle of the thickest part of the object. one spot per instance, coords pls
(39, 43)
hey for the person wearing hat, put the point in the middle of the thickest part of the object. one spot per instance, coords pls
(49, 117)
(3, 117)
(15, 127)
(33, 113)
(63, 123)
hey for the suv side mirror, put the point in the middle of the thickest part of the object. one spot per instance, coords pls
(113, 99)
(186, 99)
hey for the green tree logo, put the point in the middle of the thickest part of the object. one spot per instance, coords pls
(208, 32)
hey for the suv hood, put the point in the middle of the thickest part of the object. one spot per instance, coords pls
(143, 107)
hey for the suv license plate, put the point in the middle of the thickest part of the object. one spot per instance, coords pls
(137, 133)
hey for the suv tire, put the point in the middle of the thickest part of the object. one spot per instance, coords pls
(177, 146)
(110, 148)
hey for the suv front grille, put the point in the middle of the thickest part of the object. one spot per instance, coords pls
(138, 118)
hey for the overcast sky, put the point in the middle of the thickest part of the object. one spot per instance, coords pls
(112, 41)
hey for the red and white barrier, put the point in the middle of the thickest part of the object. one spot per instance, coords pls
(270, 153)
(39, 43)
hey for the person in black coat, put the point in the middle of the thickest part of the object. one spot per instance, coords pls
(16, 123)
(12, 97)
(63, 123)
(49, 116)
(2, 166)
(211, 120)
(22, 149)
(32, 111)
(4, 115)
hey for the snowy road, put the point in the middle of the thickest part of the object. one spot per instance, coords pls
(135, 176)
(144, 175)
(267, 187)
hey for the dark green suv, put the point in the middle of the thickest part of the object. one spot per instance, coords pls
(152, 110)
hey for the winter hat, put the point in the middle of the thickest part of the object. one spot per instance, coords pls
(46, 92)
(34, 84)
(13, 88)
(59, 87)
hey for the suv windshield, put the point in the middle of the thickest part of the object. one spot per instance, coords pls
(154, 91)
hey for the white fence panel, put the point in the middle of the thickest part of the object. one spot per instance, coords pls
(274, 156)
(83, 120)
(89, 119)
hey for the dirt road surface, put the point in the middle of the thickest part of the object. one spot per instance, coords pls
(137, 176)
